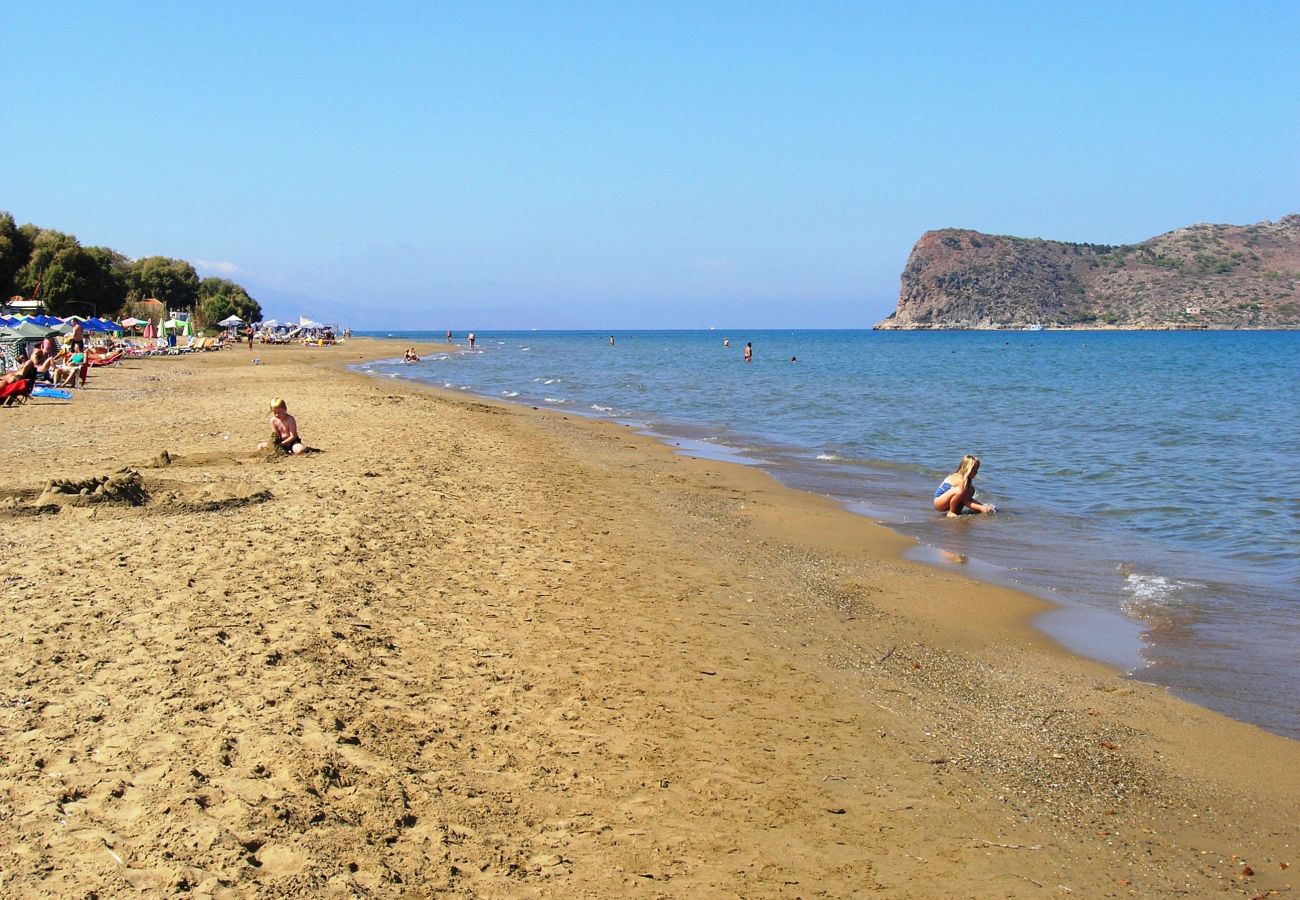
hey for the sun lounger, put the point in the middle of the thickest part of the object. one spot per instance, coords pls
(16, 392)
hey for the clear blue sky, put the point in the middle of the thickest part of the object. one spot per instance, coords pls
(632, 165)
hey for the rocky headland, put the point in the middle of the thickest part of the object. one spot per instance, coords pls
(1201, 276)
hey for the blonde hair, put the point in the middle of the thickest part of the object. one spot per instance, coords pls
(966, 468)
(278, 403)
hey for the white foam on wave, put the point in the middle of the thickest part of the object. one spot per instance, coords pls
(509, 393)
(598, 408)
(556, 400)
(1152, 594)
(831, 457)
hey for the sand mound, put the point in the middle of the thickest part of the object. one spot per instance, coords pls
(124, 486)
(127, 489)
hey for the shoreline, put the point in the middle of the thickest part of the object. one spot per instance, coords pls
(1098, 613)
(491, 649)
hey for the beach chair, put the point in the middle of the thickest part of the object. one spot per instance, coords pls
(16, 392)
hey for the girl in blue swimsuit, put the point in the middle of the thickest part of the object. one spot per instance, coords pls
(958, 490)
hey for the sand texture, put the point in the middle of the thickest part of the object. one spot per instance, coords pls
(497, 652)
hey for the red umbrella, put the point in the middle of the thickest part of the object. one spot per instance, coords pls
(149, 330)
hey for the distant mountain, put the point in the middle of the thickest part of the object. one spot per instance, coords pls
(1201, 276)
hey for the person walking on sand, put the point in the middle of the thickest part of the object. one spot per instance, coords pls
(958, 490)
(248, 333)
(284, 430)
(749, 352)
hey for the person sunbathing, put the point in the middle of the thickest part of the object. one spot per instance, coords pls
(67, 366)
(44, 365)
(15, 385)
(25, 371)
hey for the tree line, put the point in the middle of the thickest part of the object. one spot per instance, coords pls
(73, 279)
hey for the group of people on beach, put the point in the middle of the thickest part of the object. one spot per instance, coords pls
(48, 363)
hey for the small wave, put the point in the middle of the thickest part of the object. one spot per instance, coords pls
(509, 393)
(1153, 595)
(556, 400)
(832, 457)
(605, 409)
(552, 381)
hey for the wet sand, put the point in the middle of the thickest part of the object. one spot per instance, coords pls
(495, 651)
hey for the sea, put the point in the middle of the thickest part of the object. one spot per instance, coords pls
(1143, 479)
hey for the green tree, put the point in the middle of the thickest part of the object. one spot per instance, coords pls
(220, 298)
(107, 290)
(173, 281)
(15, 251)
(65, 273)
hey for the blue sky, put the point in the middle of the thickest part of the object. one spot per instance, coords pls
(632, 165)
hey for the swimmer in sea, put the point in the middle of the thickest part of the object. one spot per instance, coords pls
(749, 352)
(958, 490)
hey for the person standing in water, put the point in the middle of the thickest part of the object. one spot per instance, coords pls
(611, 340)
(726, 342)
(749, 351)
(958, 490)
(470, 337)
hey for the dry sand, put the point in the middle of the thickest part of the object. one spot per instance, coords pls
(499, 652)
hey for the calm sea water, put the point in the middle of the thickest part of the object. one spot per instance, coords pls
(1142, 478)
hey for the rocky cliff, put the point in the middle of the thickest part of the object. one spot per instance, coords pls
(1202, 276)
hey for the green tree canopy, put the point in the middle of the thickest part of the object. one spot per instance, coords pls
(220, 298)
(70, 277)
(15, 250)
(101, 281)
(173, 281)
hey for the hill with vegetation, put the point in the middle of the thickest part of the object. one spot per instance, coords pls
(1201, 276)
(71, 279)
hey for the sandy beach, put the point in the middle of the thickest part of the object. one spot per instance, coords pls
(492, 651)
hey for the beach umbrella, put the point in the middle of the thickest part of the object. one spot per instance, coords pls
(29, 331)
(132, 321)
(230, 321)
(149, 330)
(270, 323)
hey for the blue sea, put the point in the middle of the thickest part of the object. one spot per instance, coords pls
(1143, 479)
